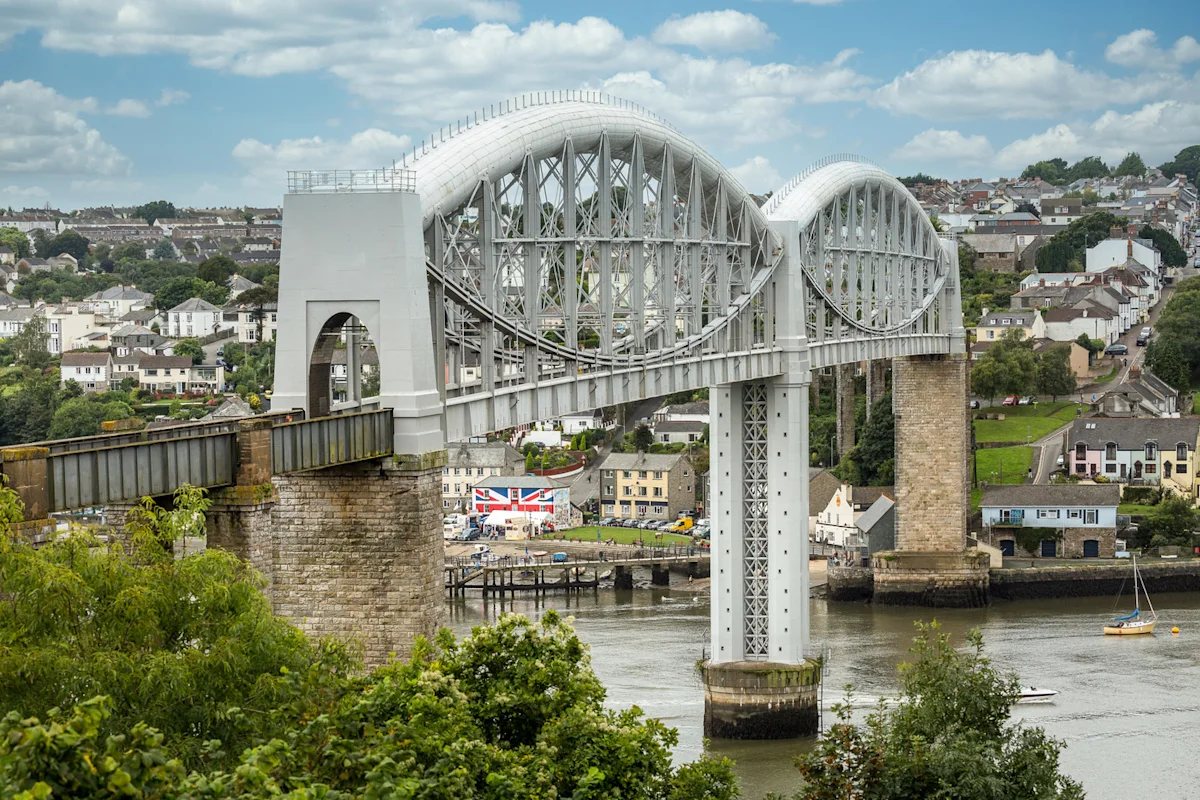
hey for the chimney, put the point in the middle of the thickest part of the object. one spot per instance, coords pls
(1129, 249)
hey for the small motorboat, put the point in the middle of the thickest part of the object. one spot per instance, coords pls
(1030, 694)
(606, 575)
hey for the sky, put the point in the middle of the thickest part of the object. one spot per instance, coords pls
(210, 102)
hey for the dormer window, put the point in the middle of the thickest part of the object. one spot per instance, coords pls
(1181, 452)
(1151, 451)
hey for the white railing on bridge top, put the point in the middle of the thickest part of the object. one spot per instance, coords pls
(334, 181)
(519, 103)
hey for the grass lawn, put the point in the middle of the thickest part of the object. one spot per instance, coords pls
(1135, 508)
(1022, 421)
(1014, 461)
(621, 535)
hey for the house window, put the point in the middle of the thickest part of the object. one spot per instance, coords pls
(1151, 451)
(456, 471)
(1089, 517)
(1081, 452)
(626, 474)
(1180, 469)
(658, 491)
(641, 475)
(1111, 469)
(445, 504)
(641, 491)
(658, 475)
(685, 473)
(1110, 451)
(991, 334)
(1074, 513)
(445, 470)
(445, 488)
(1151, 469)
(1048, 513)
(458, 488)
(1181, 452)
(628, 491)
(514, 494)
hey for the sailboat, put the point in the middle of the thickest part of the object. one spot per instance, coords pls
(1137, 622)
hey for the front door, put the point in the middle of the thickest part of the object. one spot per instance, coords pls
(1137, 469)
(1124, 472)
(1091, 548)
(1049, 548)
(1007, 547)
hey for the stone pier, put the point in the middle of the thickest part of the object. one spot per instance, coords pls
(359, 553)
(660, 575)
(931, 565)
(760, 699)
(876, 383)
(623, 578)
(845, 409)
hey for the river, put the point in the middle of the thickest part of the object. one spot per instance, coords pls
(1128, 707)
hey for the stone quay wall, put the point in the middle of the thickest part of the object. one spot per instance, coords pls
(1093, 580)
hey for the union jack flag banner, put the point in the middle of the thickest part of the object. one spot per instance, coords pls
(488, 500)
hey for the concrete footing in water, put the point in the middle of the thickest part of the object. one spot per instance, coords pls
(760, 699)
(932, 580)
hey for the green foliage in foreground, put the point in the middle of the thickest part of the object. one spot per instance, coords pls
(144, 675)
(948, 737)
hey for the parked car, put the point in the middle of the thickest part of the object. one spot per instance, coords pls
(606, 521)
(1117, 350)
(558, 558)
(1025, 401)
(1144, 337)
(1061, 461)
(1011, 400)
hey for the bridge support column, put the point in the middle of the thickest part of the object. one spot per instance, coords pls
(931, 565)
(845, 409)
(359, 552)
(660, 575)
(28, 472)
(623, 579)
(876, 383)
(758, 683)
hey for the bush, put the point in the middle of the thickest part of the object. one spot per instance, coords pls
(1142, 495)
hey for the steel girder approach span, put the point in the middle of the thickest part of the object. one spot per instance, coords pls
(567, 251)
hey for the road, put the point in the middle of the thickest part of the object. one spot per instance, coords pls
(586, 484)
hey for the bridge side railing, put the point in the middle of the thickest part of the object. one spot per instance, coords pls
(327, 441)
(185, 431)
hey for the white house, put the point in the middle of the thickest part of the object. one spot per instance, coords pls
(835, 523)
(582, 421)
(195, 317)
(121, 299)
(92, 371)
(1065, 324)
(1061, 210)
(1116, 252)
(683, 412)
(68, 323)
(248, 324)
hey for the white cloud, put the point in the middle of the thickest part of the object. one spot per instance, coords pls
(944, 146)
(40, 131)
(757, 175)
(19, 196)
(979, 83)
(267, 164)
(716, 31)
(1157, 130)
(1139, 50)
(128, 108)
(172, 97)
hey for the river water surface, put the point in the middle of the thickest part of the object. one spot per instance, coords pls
(1128, 708)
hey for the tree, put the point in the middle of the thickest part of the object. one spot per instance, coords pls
(643, 437)
(1090, 167)
(1186, 162)
(1054, 374)
(134, 251)
(1172, 522)
(164, 251)
(1071, 244)
(872, 462)
(31, 345)
(68, 242)
(42, 242)
(81, 416)
(1132, 164)
(16, 241)
(216, 269)
(1053, 171)
(912, 180)
(152, 212)
(1180, 321)
(1165, 359)
(257, 299)
(1172, 252)
(190, 348)
(1007, 367)
(176, 290)
(948, 736)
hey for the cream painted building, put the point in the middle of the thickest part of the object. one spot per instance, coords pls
(646, 486)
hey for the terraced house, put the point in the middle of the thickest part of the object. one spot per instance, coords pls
(1144, 452)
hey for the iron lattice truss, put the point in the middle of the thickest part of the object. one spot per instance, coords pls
(873, 266)
(755, 570)
(620, 254)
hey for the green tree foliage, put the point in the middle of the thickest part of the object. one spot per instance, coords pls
(1180, 321)
(164, 251)
(257, 300)
(1008, 367)
(912, 180)
(42, 242)
(159, 209)
(872, 462)
(58, 285)
(1132, 164)
(1054, 374)
(16, 241)
(30, 345)
(1071, 245)
(190, 348)
(643, 437)
(216, 270)
(176, 290)
(948, 736)
(1090, 167)
(1057, 172)
(1186, 162)
(27, 407)
(81, 416)
(1165, 359)
(68, 242)
(131, 251)
(1172, 251)
(1172, 522)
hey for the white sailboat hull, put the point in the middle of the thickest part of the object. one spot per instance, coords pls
(1131, 629)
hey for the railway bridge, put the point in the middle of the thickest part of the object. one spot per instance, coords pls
(565, 251)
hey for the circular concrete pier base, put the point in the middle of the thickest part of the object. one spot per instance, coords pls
(760, 700)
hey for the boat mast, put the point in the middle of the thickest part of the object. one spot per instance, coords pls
(1137, 606)
(1153, 614)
